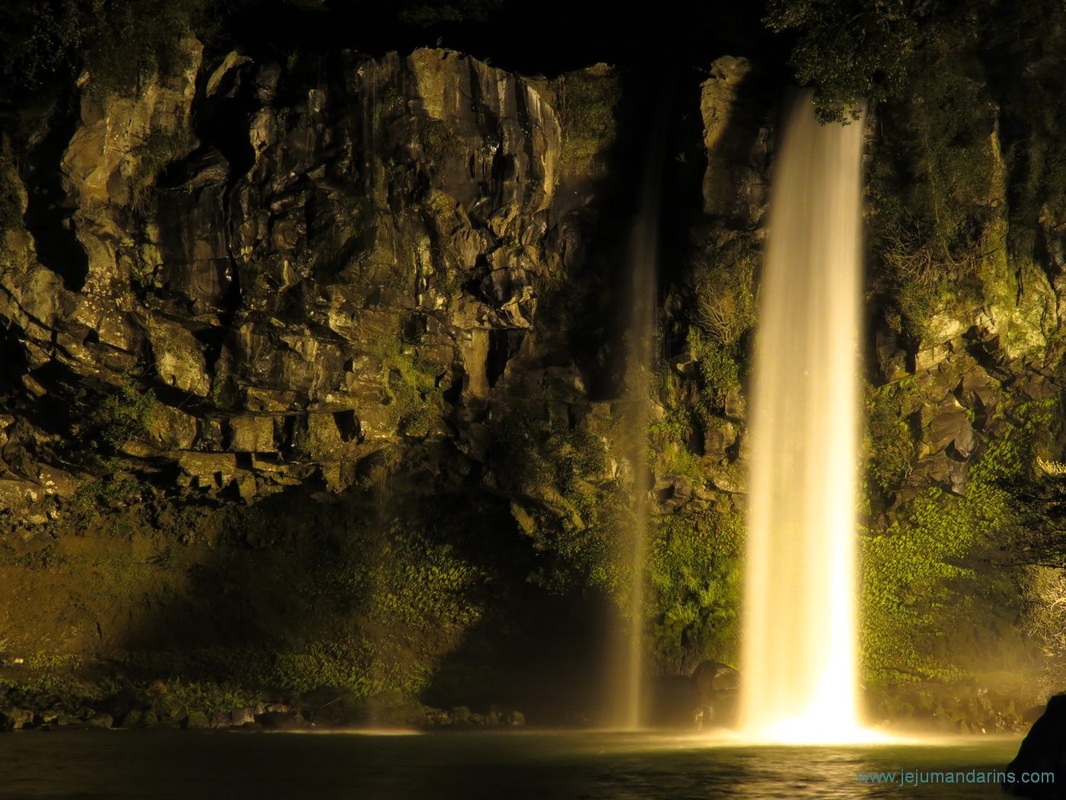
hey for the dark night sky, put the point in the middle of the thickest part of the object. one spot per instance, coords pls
(550, 36)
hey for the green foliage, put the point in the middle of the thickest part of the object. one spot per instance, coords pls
(417, 581)
(10, 195)
(413, 385)
(890, 446)
(386, 103)
(45, 680)
(426, 13)
(438, 142)
(125, 414)
(586, 103)
(154, 153)
(670, 435)
(851, 51)
(1045, 621)
(921, 573)
(337, 665)
(138, 38)
(1021, 42)
(723, 276)
(719, 368)
(695, 571)
(209, 697)
(118, 41)
(934, 184)
(574, 507)
(109, 491)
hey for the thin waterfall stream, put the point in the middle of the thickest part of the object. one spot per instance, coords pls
(800, 608)
(629, 693)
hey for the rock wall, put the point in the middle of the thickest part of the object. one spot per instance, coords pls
(329, 285)
(345, 277)
(303, 266)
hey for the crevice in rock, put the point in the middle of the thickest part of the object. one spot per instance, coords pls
(348, 425)
(223, 121)
(503, 344)
(48, 218)
(13, 365)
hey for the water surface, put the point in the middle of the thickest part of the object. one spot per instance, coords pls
(508, 766)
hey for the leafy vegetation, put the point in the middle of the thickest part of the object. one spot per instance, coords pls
(851, 51)
(923, 575)
(116, 42)
(572, 503)
(154, 153)
(695, 571)
(413, 385)
(889, 445)
(935, 186)
(10, 200)
(123, 415)
(586, 102)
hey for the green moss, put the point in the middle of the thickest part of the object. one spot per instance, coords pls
(438, 142)
(414, 385)
(669, 437)
(719, 370)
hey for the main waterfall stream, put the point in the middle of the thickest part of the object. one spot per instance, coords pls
(799, 645)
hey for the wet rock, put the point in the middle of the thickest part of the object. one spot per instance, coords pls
(734, 184)
(716, 686)
(1042, 751)
(13, 718)
(197, 720)
(281, 720)
(674, 701)
(100, 719)
(242, 716)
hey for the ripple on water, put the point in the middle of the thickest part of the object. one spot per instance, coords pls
(520, 766)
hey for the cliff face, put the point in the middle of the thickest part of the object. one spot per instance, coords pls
(340, 274)
(312, 377)
(305, 265)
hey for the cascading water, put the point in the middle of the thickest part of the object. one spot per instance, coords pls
(627, 656)
(799, 645)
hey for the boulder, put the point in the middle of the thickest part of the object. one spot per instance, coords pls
(14, 719)
(1042, 751)
(716, 686)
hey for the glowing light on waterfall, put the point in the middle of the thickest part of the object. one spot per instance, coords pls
(627, 679)
(799, 646)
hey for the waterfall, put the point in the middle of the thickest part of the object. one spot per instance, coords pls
(799, 646)
(627, 657)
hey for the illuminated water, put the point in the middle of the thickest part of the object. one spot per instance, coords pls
(627, 657)
(178, 765)
(799, 617)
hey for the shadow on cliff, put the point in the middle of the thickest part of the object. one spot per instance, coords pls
(341, 597)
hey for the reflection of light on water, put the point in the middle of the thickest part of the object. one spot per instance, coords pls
(814, 729)
(353, 731)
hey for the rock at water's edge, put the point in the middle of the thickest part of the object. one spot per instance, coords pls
(1043, 751)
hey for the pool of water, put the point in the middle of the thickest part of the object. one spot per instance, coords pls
(504, 766)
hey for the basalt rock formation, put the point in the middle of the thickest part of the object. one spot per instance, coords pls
(312, 371)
